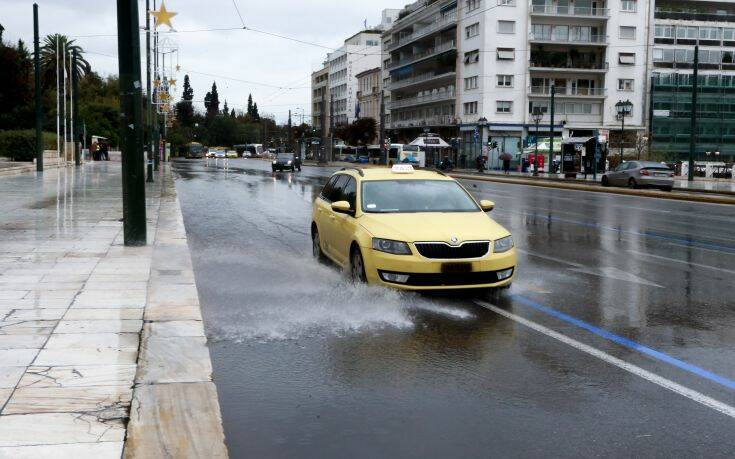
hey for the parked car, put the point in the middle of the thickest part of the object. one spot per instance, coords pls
(363, 159)
(231, 154)
(635, 174)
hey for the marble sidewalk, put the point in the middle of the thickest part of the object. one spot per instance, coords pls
(102, 348)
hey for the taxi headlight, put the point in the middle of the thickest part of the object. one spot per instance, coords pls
(275, 162)
(503, 245)
(289, 163)
(389, 246)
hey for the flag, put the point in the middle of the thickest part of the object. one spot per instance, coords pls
(357, 110)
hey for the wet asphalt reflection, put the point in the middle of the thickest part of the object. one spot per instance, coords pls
(308, 365)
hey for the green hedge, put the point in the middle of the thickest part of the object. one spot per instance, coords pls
(20, 145)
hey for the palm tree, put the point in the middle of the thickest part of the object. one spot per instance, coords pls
(48, 57)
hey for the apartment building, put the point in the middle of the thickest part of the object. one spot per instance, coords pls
(477, 69)
(369, 87)
(320, 97)
(677, 27)
(359, 53)
(422, 45)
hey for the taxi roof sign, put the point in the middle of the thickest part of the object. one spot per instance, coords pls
(402, 169)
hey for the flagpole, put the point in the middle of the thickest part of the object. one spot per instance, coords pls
(64, 91)
(72, 135)
(58, 102)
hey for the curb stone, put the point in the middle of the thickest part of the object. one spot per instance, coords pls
(175, 410)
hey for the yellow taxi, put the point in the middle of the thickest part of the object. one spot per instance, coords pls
(410, 229)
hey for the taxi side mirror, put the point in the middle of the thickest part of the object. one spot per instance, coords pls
(342, 207)
(487, 206)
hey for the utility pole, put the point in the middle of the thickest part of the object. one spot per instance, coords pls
(131, 117)
(551, 132)
(331, 127)
(149, 101)
(37, 97)
(323, 122)
(75, 107)
(63, 75)
(156, 150)
(381, 140)
(290, 139)
(650, 118)
(58, 102)
(693, 137)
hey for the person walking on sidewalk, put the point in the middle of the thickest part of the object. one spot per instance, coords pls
(480, 163)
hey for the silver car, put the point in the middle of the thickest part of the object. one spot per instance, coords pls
(635, 174)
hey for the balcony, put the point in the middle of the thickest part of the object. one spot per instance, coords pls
(567, 67)
(568, 39)
(419, 79)
(569, 11)
(438, 24)
(425, 54)
(584, 93)
(420, 100)
(440, 120)
(693, 16)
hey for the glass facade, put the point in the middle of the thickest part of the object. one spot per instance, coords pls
(671, 121)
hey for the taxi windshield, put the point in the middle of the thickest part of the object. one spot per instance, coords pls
(405, 196)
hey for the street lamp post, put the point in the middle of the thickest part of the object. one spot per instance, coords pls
(623, 109)
(537, 115)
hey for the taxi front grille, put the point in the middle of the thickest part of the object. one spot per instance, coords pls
(443, 251)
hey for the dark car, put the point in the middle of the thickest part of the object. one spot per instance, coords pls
(285, 162)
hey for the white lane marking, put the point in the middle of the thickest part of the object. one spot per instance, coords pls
(699, 265)
(719, 252)
(629, 367)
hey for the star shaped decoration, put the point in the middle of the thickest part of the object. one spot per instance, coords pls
(163, 16)
(157, 83)
(178, 68)
(171, 82)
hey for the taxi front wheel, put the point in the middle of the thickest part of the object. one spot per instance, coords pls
(316, 248)
(357, 266)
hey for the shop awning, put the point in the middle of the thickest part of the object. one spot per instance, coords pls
(430, 141)
(573, 140)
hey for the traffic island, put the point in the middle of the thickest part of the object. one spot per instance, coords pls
(691, 196)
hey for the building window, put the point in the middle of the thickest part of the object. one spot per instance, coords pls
(470, 108)
(664, 31)
(629, 6)
(505, 81)
(472, 57)
(626, 58)
(625, 84)
(627, 32)
(472, 31)
(506, 26)
(504, 106)
(472, 5)
(506, 2)
(506, 54)
(471, 82)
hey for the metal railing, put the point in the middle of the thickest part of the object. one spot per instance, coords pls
(424, 54)
(439, 120)
(418, 79)
(423, 31)
(569, 38)
(569, 10)
(436, 97)
(569, 65)
(568, 91)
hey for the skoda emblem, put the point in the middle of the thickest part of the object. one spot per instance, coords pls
(454, 240)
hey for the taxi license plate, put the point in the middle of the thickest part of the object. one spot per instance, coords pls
(456, 267)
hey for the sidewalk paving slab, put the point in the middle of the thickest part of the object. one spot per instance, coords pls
(89, 326)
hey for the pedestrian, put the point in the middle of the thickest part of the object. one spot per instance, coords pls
(480, 163)
(506, 165)
(105, 149)
(95, 148)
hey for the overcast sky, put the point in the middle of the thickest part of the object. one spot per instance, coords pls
(236, 54)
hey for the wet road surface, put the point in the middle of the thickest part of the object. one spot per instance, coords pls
(617, 337)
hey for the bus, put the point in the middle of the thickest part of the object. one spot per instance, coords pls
(194, 150)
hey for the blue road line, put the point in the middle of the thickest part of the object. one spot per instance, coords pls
(681, 240)
(701, 372)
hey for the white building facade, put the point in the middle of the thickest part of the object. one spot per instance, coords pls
(509, 54)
